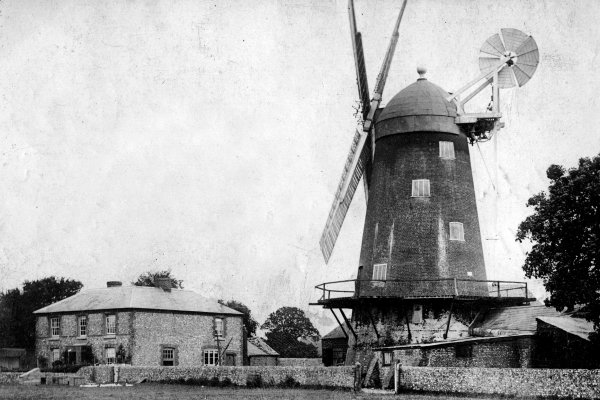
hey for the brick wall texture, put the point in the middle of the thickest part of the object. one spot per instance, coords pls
(341, 377)
(411, 234)
(525, 382)
(143, 334)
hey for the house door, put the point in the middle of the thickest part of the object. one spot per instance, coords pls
(230, 359)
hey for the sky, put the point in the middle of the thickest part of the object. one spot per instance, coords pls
(208, 138)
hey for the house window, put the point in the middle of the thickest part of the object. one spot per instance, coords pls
(110, 354)
(420, 188)
(457, 231)
(218, 326)
(82, 326)
(447, 150)
(168, 356)
(55, 326)
(464, 351)
(387, 357)
(379, 272)
(111, 324)
(55, 355)
(211, 357)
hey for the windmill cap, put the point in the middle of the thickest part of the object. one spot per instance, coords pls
(421, 106)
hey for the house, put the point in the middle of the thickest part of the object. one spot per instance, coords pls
(11, 359)
(141, 326)
(260, 353)
(334, 346)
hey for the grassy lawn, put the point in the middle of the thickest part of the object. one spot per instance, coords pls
(153, 391)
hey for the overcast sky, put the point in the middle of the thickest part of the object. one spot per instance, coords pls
(209, 137)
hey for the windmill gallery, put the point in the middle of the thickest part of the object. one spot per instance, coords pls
(421, 295)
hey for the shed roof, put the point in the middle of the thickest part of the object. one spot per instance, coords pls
(336, 333)
(518, 319)
(258, 347)
(138, 297)
(575, 326)
(9, 352)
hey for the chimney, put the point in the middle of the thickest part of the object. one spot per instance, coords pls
(163, 283)
(111, 284)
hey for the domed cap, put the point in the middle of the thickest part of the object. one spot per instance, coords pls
(421, 106)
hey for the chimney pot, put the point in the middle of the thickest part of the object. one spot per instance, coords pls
(111, 284)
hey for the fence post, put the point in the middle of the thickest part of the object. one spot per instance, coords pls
(357, 376)
(455, 287)
(498, 283)
(397, 369)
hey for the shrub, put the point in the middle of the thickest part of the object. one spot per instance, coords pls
(214, 381)
(254, 381)
(226, 382)
(289, 382)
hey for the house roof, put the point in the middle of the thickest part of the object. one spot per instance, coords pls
(138, 297)
(337, 333)
(575, 326)
(518, 319)
(258, 347)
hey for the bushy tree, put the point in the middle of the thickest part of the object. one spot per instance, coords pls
(17, 307)
(250, 323)
(285, 326)
(565, 231)
(149, 279)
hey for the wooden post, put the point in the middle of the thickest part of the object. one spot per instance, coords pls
(357, 377)
(397, 370)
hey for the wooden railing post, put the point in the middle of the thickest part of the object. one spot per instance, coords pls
(397, 370)
(498, 283)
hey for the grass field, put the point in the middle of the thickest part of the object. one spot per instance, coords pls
(153, 391)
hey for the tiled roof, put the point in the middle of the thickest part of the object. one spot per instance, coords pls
(518, 319)
(138, 297)
(258, 347)
(576, 326)
(337, 333)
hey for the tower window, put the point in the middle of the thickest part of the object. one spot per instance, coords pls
(457, 231)
(379, 272)
(447, 150)
(420, 188)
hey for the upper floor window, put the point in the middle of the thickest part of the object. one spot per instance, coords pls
(379, 272)
(447, 150)
(211, 357)
(111, 355)
(55, 326)
(420, 188)
(219, 331)
(111, 324)
(457, 231)
(82, 325)
(168, 356)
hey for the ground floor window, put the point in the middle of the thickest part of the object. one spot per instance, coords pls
(55, 355)
(111, 355)
(387, 357)
(211, 357)
(168, 356)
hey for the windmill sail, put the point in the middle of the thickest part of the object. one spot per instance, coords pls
(360, 152)
(359, 62)
(357, 159)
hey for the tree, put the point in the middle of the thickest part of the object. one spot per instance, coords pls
(17, 307)
(149, 279)
(565, 231)
(286, 326)
(250, 323)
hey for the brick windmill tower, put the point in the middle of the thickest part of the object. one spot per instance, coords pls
(421, 274)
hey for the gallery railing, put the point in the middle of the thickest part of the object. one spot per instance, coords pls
(422, 288)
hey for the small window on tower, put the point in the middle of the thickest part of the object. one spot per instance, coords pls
(379, 272)
(447, 150)
(420, 188)
(457, 232)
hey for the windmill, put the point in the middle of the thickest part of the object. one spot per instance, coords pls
(421, 251)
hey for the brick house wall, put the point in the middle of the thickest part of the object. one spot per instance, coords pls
(189, 334)
(96, 334)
